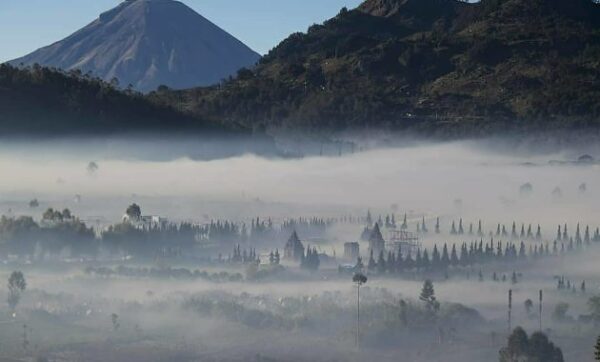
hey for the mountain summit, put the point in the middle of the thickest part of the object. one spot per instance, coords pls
(147, 43)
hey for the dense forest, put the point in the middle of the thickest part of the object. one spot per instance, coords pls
(39, 100)
(439, 67)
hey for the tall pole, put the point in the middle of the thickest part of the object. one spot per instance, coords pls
(358, 317)
(541, 299)
(509, 311)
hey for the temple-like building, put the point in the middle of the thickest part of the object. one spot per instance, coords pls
(294, 250)
(376, 241)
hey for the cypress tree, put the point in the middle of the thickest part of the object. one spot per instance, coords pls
(435, 258)
(586, 236)
(445, 261)
(454, 256)
(425, 260)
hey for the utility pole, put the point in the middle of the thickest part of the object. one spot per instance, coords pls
(509, 311)
(541, 299)
(359, 279)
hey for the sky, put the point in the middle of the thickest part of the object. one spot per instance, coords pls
(26, 25)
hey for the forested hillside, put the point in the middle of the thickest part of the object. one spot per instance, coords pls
(439, 67)
(38, 100)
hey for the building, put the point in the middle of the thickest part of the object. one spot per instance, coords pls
(147, 222)
(294, 250)
(376, 241)
(351, 250)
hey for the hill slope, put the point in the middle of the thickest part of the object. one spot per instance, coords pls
(147, 43)
(40, 101)
(433, 66)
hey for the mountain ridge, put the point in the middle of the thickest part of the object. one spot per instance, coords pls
(470, 68)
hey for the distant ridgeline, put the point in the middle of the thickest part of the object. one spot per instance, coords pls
(436, 67)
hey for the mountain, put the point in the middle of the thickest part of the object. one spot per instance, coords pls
(444, 67)
(147, 43)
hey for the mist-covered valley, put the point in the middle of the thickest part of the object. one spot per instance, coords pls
(139, 250)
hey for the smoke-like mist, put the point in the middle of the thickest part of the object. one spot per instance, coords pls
(85, 309)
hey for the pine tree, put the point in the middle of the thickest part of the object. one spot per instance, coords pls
(445, 260)
(425, 260)
(479, 229)
(437, 225)
(460, 227)
(435, 258)
(597, 349)
(538, 234)
(586, 236)
(558, 234)
(453, 230)
(454, 257)
(428, 296)
(423, 226)
(404, 223)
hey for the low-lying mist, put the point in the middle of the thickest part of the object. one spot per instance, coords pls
(211, 289)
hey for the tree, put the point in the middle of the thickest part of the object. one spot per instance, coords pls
(428, 296)
(359, 279)
(597, 349)
(16, 286)
(134, 212)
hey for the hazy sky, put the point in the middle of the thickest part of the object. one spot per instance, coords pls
(26, 25)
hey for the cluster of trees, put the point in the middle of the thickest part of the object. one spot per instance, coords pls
(466, 255)
(41, 100)
(311, 260)
(24, 236)
(415, 69)
(168, 240)
(243, 256)
(563, 284)
(536, 347)
(261, 232)
(309, 227)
